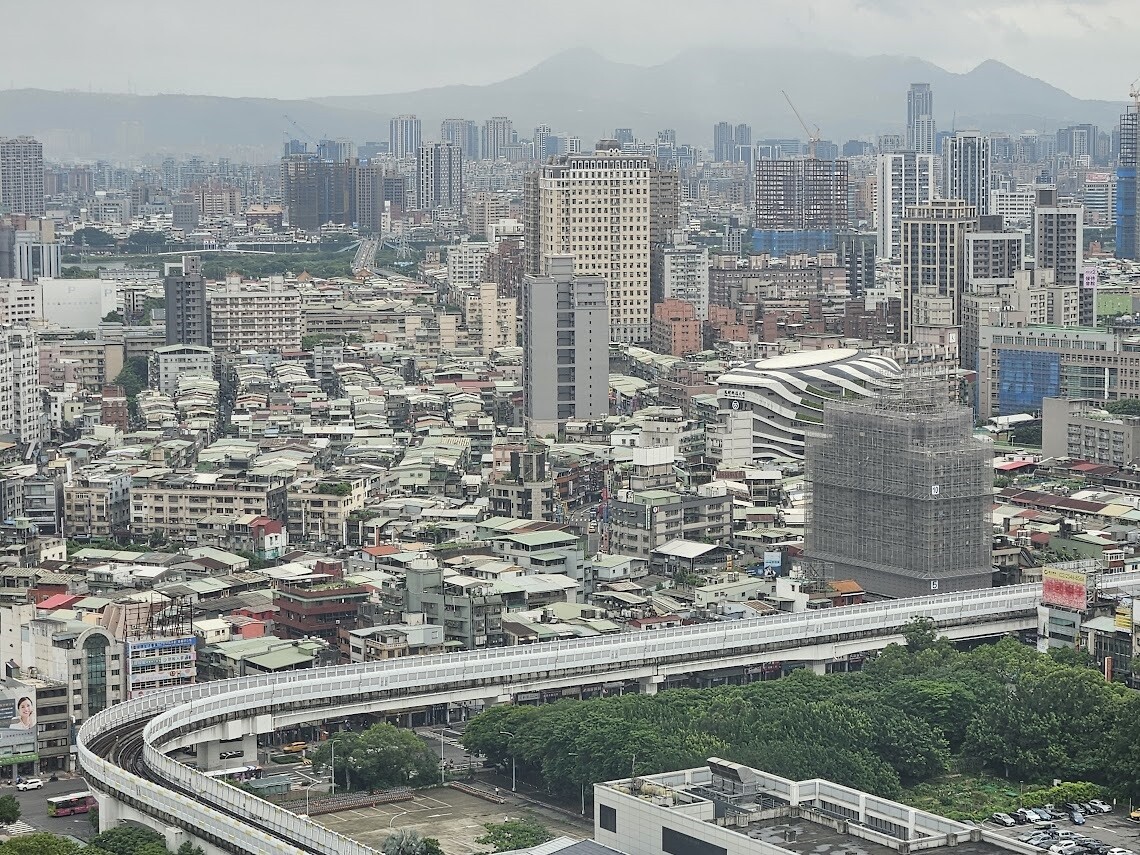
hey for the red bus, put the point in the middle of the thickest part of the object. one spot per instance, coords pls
(71, 803)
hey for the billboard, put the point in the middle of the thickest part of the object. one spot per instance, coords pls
(17, 724)
(1066, 589)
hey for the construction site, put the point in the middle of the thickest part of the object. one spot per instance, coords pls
(899, 494)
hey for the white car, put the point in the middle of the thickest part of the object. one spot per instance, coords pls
(1102, 806)
(30, 784)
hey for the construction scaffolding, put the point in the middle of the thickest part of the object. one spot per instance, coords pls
(900, 493)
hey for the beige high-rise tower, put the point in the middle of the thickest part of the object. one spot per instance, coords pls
(598, 208)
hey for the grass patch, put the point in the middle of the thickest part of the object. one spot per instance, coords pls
(958, 796)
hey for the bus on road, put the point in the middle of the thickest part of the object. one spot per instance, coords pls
(71, 803)
(240, 773)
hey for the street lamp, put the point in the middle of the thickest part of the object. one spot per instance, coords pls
(513, 778)
(313, 784)
(575, 754)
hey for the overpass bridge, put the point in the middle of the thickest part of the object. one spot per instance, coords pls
(124, 750)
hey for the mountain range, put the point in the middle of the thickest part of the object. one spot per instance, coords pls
(578, 91)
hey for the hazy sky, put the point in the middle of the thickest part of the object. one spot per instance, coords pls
(294, 49)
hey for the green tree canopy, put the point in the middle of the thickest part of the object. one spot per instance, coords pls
(514, 834)
(89, 236)
(9, 809)
(380, 757)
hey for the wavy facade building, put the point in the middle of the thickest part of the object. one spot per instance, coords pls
(766, 408)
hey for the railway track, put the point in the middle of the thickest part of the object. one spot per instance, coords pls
(125, 747)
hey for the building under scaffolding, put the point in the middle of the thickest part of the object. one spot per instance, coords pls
(900, 494)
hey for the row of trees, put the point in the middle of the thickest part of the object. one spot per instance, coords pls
(124, 840)
(909, 715)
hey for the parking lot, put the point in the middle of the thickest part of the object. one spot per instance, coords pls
(1111, 829)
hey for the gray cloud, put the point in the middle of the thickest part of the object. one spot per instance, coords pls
(293, 48)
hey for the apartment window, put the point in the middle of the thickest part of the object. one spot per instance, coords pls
(607, 818)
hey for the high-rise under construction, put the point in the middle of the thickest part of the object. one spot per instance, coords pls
(900, 494)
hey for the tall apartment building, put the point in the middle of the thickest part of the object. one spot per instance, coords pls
(905, 179)
(186, 311)
(920, 119)
(724, 142)
(901, 492)
(802, 193)
(598, 208)
(97, 503)
(317, 192)
(565, 347)
(686, 276)
(484, 210)
(403, 136)
(20, 302)
(21, 405)
(262, 316)
(462, 133)
(934, 265)
(1082, 429)
(498, 133)
(676, 329)
(993, 254)
(1127, 187)
(491, 318)
(466, 262)
(439, 177)
(1058, 237)
(21, 176)
(966, 167)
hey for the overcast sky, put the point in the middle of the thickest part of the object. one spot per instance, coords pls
(302, 48)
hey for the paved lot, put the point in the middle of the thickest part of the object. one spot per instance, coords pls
(33, 808)
(452, 817)
(1113, 829)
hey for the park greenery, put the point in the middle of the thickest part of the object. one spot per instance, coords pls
(408, 841)
(9, 809)
(380, 757)
(914, 715)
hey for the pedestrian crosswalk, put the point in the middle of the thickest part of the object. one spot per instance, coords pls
(18, 827)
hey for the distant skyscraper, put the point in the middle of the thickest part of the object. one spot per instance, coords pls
(497, 135)
(439, 177)
(920, 119)
(316, 191)
(724, 142)
(1127, 187)
(905, 179)
(21, 176)
(934, 266)
(336, 151)
(1058, 237)
(801, 193)
(624, 187)
(545, 143)
(624, 136)
(463, 133)
(186, 303)
(566, 342)
(404, 136)
(742, 135)
(967, 169)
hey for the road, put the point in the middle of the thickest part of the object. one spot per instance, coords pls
(365, 255)
(33, 808)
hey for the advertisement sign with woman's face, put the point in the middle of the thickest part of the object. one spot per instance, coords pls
(18, 738)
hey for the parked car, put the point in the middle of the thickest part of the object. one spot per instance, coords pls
(30, 784)
(1054, 812)
(1003, 819)
(1024, 815)
(1116, 850)
(1042, 814)
(1065, 848)
(295, 747)
(1135, 816)
(1077, 818)
(1102, 806)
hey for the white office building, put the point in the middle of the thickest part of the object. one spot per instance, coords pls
(905, 179)
(967, 169)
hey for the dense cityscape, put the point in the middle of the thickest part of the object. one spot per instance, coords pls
(484, 486)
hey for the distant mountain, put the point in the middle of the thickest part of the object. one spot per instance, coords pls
(82, 124)
(582, 92)
(577, 91)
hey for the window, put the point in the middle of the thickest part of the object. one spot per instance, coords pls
(607, 818)
(676, 843)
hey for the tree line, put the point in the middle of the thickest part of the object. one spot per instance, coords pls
(913, 713)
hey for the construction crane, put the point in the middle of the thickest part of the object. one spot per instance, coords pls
(305, 134)
(1134, 93)
(813, 138)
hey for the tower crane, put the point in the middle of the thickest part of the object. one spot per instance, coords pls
(813, 137)
(1134, 93)
(305, 134)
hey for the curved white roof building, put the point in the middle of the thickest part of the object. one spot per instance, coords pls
(767, 406)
